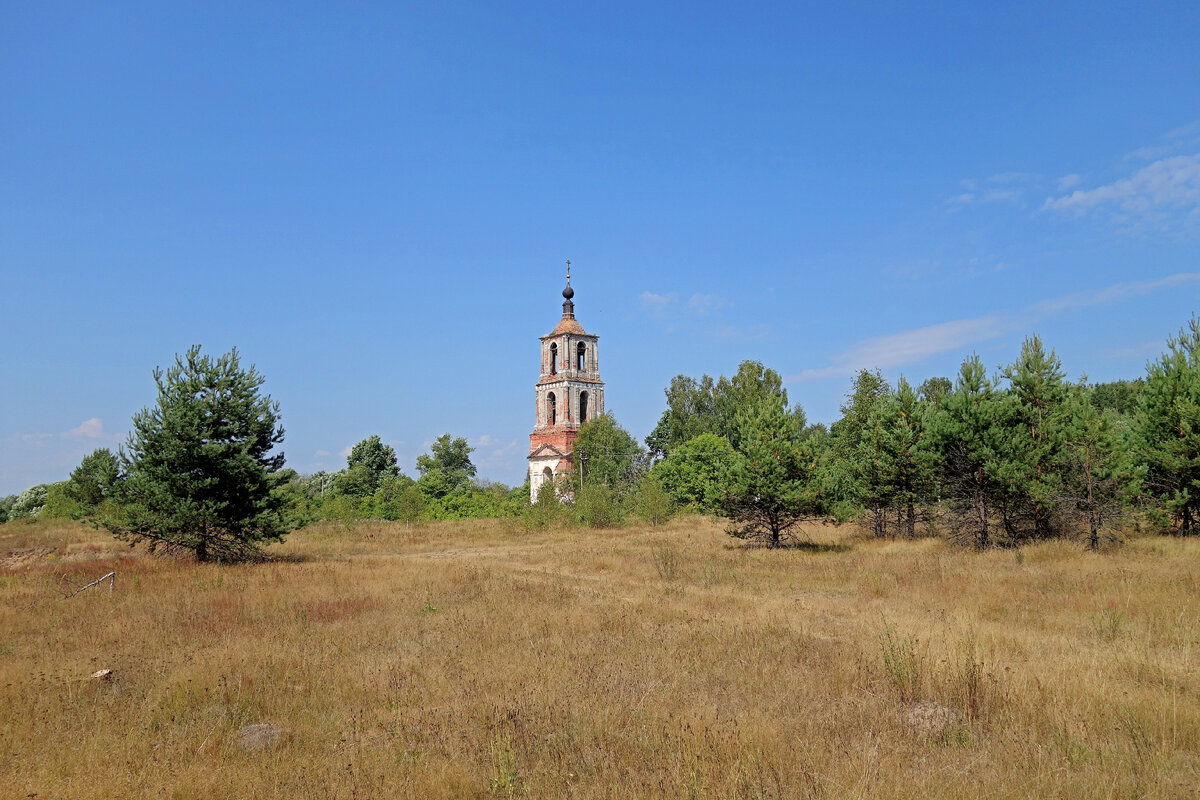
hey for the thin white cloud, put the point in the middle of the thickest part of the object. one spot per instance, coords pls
(27, 459)
(487, 440)
(345, 451)
(913, 346)
(705, 304)
(960, 200)
(1167, 184)
(1144, 350)
(1015, 177)
(1188, 131)
(909, 347)
(1000, 196)
(743, 333)
(1114, 294)
(1069, 181)
(322, 454)
(90, 429)
(654, 302)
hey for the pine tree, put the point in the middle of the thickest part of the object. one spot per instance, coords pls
(907, 457)
(1030, 453)
(967, 427)
(769, 486)
(1102, 476)
(856, 443)
(199, 468)
(1169, 428)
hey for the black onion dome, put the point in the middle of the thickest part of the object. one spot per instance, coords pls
(568, 292)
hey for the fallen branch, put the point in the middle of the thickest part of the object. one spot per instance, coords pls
(110, 577)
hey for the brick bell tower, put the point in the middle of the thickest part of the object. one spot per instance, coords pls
(569, 392)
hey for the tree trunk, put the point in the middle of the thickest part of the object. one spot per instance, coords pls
(981, 509)
(1093, 521)
(910, 523)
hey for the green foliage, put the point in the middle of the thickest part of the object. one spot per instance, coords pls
(651, 501)
(898, 455)
(446, 468)
(291, 489)
(769, 486)
(969, 427)
(200, 475)
(6, 504)
(606, 454)
(597, 506)
(708, 406)
(374, 462)
(1169, 427)
(29, 503)
(857, 439)
(692, 475)
(93, 481)
(398, 498)
(548, 511)
(60, 505)
(1028, 458)
(902, 663)
(1121, 397)
(1102, 476)
(934, 390)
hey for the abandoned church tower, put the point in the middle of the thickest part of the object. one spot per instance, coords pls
(569, 392)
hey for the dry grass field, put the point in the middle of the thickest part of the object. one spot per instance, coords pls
(479, 660)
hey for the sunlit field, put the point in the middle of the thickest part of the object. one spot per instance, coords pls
(481, 660)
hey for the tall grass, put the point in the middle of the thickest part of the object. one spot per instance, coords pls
(485, 659)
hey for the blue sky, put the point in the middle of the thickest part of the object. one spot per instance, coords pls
(373, 202)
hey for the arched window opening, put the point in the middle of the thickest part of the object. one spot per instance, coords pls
(581, 354)
(583, 398)
(553, 359)
(551, 409)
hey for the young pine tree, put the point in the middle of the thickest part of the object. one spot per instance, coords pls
(967, 428)
(908, 459)
(769, 486)
(1030, 455)
(199, 467)
(1169, 429)
(1101, 473)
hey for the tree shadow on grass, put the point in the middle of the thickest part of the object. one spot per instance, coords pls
(802, 545)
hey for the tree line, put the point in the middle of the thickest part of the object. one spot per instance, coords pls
(1018, 455)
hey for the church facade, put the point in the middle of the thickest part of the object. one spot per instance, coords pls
(569, 392)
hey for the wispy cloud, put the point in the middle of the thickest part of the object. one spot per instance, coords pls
(1167, 185)
(1146, 350)
(913, 346)
(650, 301)
(1113, 294)
(705, 304)
(909, 347)
(1068, 181)
(27, 459)
(1015, 177)
(744, 333)
(91, 429)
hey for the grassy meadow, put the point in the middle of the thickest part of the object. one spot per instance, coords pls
(478, 660)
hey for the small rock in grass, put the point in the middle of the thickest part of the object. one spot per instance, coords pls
(260, 736)
(931, 718)
(102, 675)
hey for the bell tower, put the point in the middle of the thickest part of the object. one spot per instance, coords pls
(569, 392)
